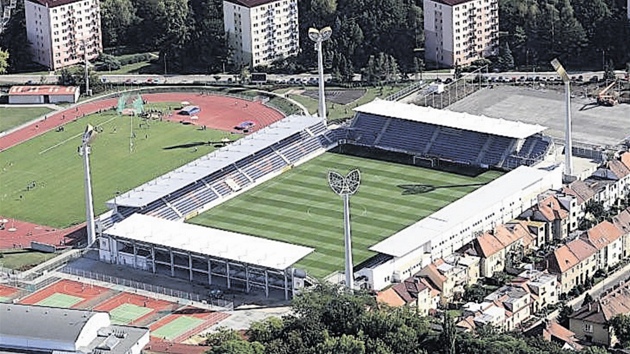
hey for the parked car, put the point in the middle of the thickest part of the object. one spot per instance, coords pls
(246, 125)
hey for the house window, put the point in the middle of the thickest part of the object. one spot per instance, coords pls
(588, 328)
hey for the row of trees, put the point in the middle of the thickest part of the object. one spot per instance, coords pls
(189, 34)
(328, 320)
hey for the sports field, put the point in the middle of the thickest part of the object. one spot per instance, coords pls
(127, 313)
(60, 300)
(51, 164)
(13, 117)
(177, 327)
(299, 207)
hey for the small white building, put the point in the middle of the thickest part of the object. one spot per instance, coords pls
(42, 329)
(43, 94)
(261, 31)
(62, 31)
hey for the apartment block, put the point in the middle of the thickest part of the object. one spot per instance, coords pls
(458, 32)
(61, 31)
(261, 31)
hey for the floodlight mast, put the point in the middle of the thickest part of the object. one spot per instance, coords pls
(319, 36)
(84, 151)
(345, 187)
(568, 145)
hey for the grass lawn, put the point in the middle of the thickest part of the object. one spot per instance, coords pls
(299, 207)
(338, 111)
(52, 161)
(24, 259)
(15, 116)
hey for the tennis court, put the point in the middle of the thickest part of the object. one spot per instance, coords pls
(127, 313)
(60, 300)
(177, 327)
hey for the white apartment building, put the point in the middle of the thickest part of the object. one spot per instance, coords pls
(458, 32)
(261, 31)
(58, 29)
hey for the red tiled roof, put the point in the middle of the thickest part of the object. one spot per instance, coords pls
(622, 221)
(562, 260)
(581, 249)
(581, 190)
(602, 234)
(618, 168)
(625, 159)
(50, 90)
(390, 297)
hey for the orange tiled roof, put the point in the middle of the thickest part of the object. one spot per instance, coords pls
(625, 159)
(582, 191)
(581, 249)
(551, 209)
(622, 221)
(618, 168)
(503, 236)
(602, 234)
(563, 259)
(390, 297)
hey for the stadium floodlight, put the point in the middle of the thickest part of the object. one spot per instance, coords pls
(568, 146)
(319, 36)
(84, 151)
(345, 187)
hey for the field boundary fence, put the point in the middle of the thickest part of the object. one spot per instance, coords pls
(162, 293)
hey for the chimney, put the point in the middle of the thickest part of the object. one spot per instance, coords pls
(590, 308)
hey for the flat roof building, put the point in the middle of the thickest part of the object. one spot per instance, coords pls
(31, 328)
(61, 31)
(261, 31)
(43, 94)
(458, 32)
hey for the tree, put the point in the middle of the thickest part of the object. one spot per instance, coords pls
(222, 335)
(346, 344)
(14, 40)
(563, 316)
(448, 335)
(237, 346)
(475, 293)
(75, 76)
(587, 299)
(4, 61)
(621, 327)
(117, 17)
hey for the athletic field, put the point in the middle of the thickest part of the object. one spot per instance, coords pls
(299, 207)
(42, 178)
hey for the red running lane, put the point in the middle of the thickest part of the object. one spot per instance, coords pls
(217, 112)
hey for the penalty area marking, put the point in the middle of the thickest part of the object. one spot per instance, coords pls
(72, 138)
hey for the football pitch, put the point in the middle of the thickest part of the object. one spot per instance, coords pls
(299, 207)
(124, 155)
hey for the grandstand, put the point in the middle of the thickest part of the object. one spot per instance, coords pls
(431, 135)
(205, 182)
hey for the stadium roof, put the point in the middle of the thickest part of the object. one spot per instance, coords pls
(434, 226)
(208, 241)
(464, 121)
(215, 161)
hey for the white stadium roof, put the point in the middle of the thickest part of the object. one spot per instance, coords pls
(215, 161)
(208, 241)
(464, 121)
(440, 222)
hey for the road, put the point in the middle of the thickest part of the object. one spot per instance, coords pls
(22, 79)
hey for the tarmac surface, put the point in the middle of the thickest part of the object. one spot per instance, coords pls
(592, 124)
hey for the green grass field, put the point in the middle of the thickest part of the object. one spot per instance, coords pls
(52, 161)
(13, 117)
(60, 300)
(177, 327)
(299, 207)
(24, 259)
(127, 313)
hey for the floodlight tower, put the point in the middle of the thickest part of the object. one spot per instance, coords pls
(84, 151)
(345, 187)
(319, 36)
(568, 146)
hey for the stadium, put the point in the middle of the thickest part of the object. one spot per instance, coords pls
(257, 214)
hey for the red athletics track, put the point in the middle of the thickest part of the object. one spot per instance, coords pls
(8, 292)
(19, 234)
(217, 112)
(69, 287)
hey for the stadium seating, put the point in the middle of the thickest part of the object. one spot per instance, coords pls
(397, 136)
(366, 128)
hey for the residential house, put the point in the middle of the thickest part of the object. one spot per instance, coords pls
(500, 247)
(416, 292)
(551, 331)
(555, 215)
(478, 315)
(622, 221)
(573, 264)
(606, 238)
(542, 287)
(591, 322)
(583, 194)
(505, 309)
